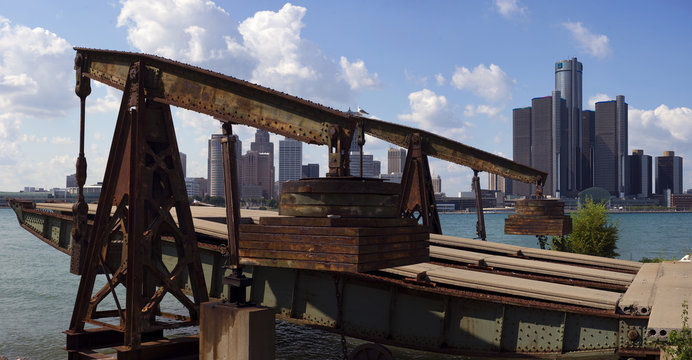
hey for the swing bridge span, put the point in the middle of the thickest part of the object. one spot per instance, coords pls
(355, 256)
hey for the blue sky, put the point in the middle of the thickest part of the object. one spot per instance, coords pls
(454, 68)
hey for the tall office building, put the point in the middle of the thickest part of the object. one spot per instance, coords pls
(71, 181)
(290, 160)
(521, 146)
(256, 180)
(668, 173)
(640, 174)
(371, 167)
(263, 145)
(568, 81)
(539, 141)
(183, 162)
(437, 184)
(497, 182)
(588, 119)
(396, 158)
(611, 168)
(215, 163)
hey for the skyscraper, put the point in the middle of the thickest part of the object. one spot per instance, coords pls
(310, 171)
(437, 184)
(371, 167)
(640, 174)
(215, 163)
(290, 159)
(588, 119)
(611, 168)
(263, 145)
(521, 145)
(668, 173)
(396, 158)
(183, 161)
(497, 182)
(568, 80)
(256, 181)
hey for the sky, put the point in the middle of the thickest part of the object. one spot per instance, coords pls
(455, 68)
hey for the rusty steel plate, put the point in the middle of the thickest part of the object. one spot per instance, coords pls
(340, 197)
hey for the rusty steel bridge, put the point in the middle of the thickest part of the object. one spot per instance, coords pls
(360, 257)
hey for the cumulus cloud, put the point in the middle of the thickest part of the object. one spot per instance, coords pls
(432, 112)
(357, 76)
(490, 83)
(510, 9)
(36, 82)
(597, 45)
(490, 111)
(266, 48)
(591, 103)
(440, 79)
(107, 103)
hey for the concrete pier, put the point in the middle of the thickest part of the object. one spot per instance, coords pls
(228, 332)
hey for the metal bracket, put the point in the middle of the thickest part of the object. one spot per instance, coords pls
(417, 195)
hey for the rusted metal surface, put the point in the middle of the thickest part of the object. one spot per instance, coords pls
(241, 102)
(480, 223)
(417, 195)
(538, 217)
(347, 197)
(144, 181)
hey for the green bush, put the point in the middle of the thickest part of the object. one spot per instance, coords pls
(679, 344)
(592, 233)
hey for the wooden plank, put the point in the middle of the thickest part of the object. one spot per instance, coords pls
(332, 266)
(333, 231)
(639, 296)
(331, 257)
(336, 222)
(333, 248)
(509, 285)
(550, 255)
(532, 266)
(343, 240)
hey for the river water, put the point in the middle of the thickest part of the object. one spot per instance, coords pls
(37, 291)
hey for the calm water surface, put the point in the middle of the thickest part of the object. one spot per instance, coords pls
(37, 291)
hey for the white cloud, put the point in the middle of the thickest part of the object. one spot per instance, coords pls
(440, 79)
(108, 103)
(594, 44)
(490, 111)
(432, 113)
(510, 9)
(61, 140)
(490, 83)
(357, 76)
(591, 103)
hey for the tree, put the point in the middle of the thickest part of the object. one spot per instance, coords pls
(592, 233)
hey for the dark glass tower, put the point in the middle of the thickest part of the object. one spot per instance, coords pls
(568, 80)
(640, 174)
(521, 147)
(668, 173)
(611, 165)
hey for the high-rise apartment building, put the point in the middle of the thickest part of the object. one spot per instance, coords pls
(588, 119)
(290, 160)
(640, 174)
(611, 166)
(668, 173)
(215, 163)
(396, 158)
(540, 134)
(568, 81)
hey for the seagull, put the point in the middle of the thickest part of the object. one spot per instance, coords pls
(363, 111)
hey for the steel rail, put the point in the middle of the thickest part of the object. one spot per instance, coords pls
(230, 99)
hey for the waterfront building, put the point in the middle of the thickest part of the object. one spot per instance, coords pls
(668, 173)
(588, 120)
(568, 81)
(310, 171)
(396, 158)
(539, 141)
(196, 186)
(521, 146)
(681, 201)
(71, 181)
(437, 184)
(215, 163)
(290, 160)
(497, 183)
(611, 168)
(640, 174)
(183, 163)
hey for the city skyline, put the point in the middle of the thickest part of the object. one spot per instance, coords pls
(459, 73)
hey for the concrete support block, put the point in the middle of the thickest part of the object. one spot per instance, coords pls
(227, 332)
